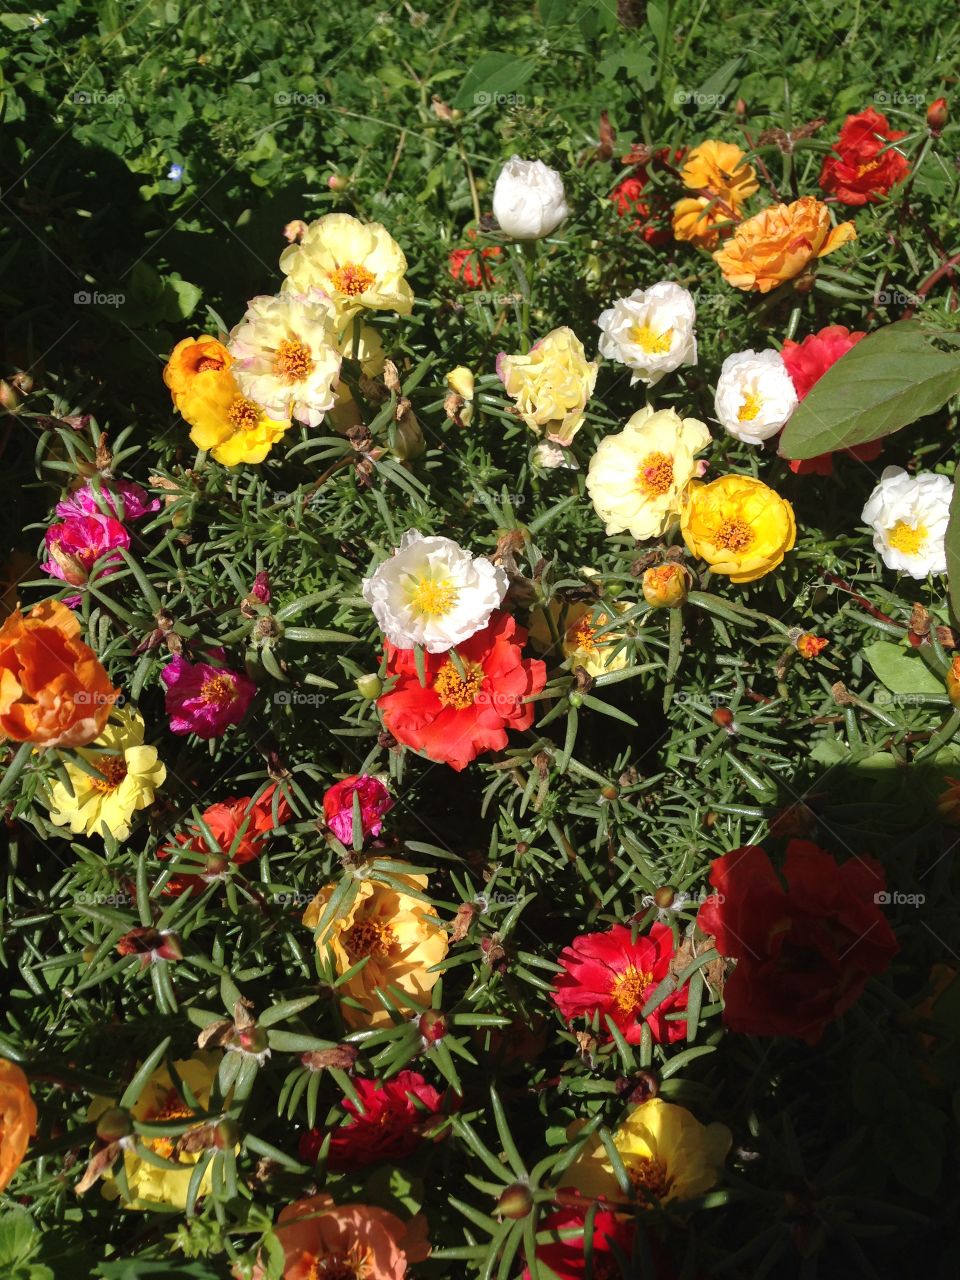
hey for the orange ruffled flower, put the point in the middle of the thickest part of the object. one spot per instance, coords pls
(195, 364)
(323, 1239)
(776, 245)
(53, 689)
(718, 173)
(18, 1119)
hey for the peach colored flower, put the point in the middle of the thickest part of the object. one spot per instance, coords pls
(777, 244)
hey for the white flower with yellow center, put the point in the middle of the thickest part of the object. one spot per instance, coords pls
(637, 478)
(285, 356)
(909, 517)
(651, 331)
(755, 395)
(357, 264)
(125, 778)
(433, 592)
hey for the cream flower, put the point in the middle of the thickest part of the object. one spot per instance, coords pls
(130, 775)
(551, 384)
(358, 264)
(909, 517)
(637, 478)
(285, 356)
(651, 331)
(755, 395)
(433, 592)
(528, 199)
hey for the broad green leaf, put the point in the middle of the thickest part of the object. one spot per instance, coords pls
(492, 75)
(890, 379)
(900, 670)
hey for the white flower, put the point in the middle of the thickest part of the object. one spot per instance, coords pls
(550, 455)
(285, 355)
(755, 395)
(433, 592)
(528, 200)
(909, 517)
(651, 331)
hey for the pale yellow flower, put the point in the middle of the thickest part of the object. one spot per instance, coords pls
(551, 384)
(357, 264)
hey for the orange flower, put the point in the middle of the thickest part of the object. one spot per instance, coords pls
(18, 1119)
(699, 219)
(195, 363)
(717, 172)
(320, 1238)
(811, 646)
(53, 690)
(777, 244)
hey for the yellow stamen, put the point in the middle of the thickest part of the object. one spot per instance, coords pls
(352, 279)
(355, 1264)
(369, 938)
(648, 340)
(243, 414)
(734, 535)
(655, 474)
(218, 689)
(114, 770)
(629, 990)
(173, 1108)
(433, 599)
(752, 404)
(451, 688)
(649, 1177)
(904, 537)
(292, 361)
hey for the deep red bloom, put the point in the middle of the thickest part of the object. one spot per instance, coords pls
(611, 974)
(863, 166)
(807, 362)
(395, 1116)
(567, 1257)
(803, 952)
(634, 197)
(375, 801)
(452, 719)
(225, 821)
(469, 266)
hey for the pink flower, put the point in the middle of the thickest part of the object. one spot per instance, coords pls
(135, 499)
(205, 699)
(76, 545)
(396, 1113)
(375, 801)
(261, 587)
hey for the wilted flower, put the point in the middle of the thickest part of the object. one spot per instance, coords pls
(665, 586)
(909, 517)
(76, 545)
(755, 395)
(652, 331)
(374, 799)
(551, 384)
(528, 199)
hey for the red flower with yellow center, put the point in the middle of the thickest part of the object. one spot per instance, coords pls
(614, 974)
(466, 705)
(864, 165)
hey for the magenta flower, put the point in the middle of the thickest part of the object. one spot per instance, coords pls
(83, 502)
(76, 545)
(261, 587)
(375, 801)
(205, 699)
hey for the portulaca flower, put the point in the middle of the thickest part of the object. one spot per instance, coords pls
(433, 592)
(909, 517)
(285, 355)
(651, 331)
(528, 199)
(755, 395)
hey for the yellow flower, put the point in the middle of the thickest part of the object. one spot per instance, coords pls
(129, 775)
(577, 625)
(358, 265)
(637, 478)
(777, 244)
(720, 168)
(551, 384)
(160, 1103)
(667, 1153)
(698, 219)
(461, 380)
(399, 935)
(665, 586)
(223, 420)
(739, 525)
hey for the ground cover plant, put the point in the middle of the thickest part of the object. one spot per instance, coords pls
(480, 641)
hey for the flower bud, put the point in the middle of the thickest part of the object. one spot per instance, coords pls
(665, 586)
(953, 680)
(114, 1124)
(515, 1202)
(938, 113)
(252, 1039)
(9, 399)
(664, 896)
(337, 182)
(408, 441)
(432, 1026)
(723, 718)
(369, 686)
(528, 199)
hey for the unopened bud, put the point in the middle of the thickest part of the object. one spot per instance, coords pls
(665, 586)
(665, 896)
(9, 399)
(252, 1039)
(938, 113)
(337, 182)
(432, 1025)
(740, 109)
(369, 686)
(408, 441)
(114, 1124)
(515, 1202)
(722, 717)
(610, 792)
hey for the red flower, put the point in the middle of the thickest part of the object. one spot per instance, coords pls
(612, 1235)
(396, 1115)
(238, 825)
(650, 209)
(807, 362)
(611, 974)
(452, 719)
(864, 167)
(803, 952)
(469, 265)
(375, 801)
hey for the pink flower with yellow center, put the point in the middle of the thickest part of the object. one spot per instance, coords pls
(76, 545)
(205, 699)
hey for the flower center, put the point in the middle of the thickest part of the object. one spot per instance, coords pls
(455, 691)
(649, 1177)
(869, 167)
(292, 361)
(433, 599)
(218, 690)
(209, 362)
(752, 404)
(353, 1265)
(904, 537)
(369, 938)
(648, 340)
(628, 990)
(173, 1108)
(655, 475)
(734, 535)
(243, 414)
(581, 634)
(352, 279)
(114, 770)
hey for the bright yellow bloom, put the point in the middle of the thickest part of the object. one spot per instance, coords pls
(400, 936)
(720, 168)
(195, 363)
(698, 219)
(234, 428)
(739, 525)
(667, 1153)
(160, 1103)
(777, 244)
(358, 265)
(551, 384)
(637, 478)
(129, 776)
